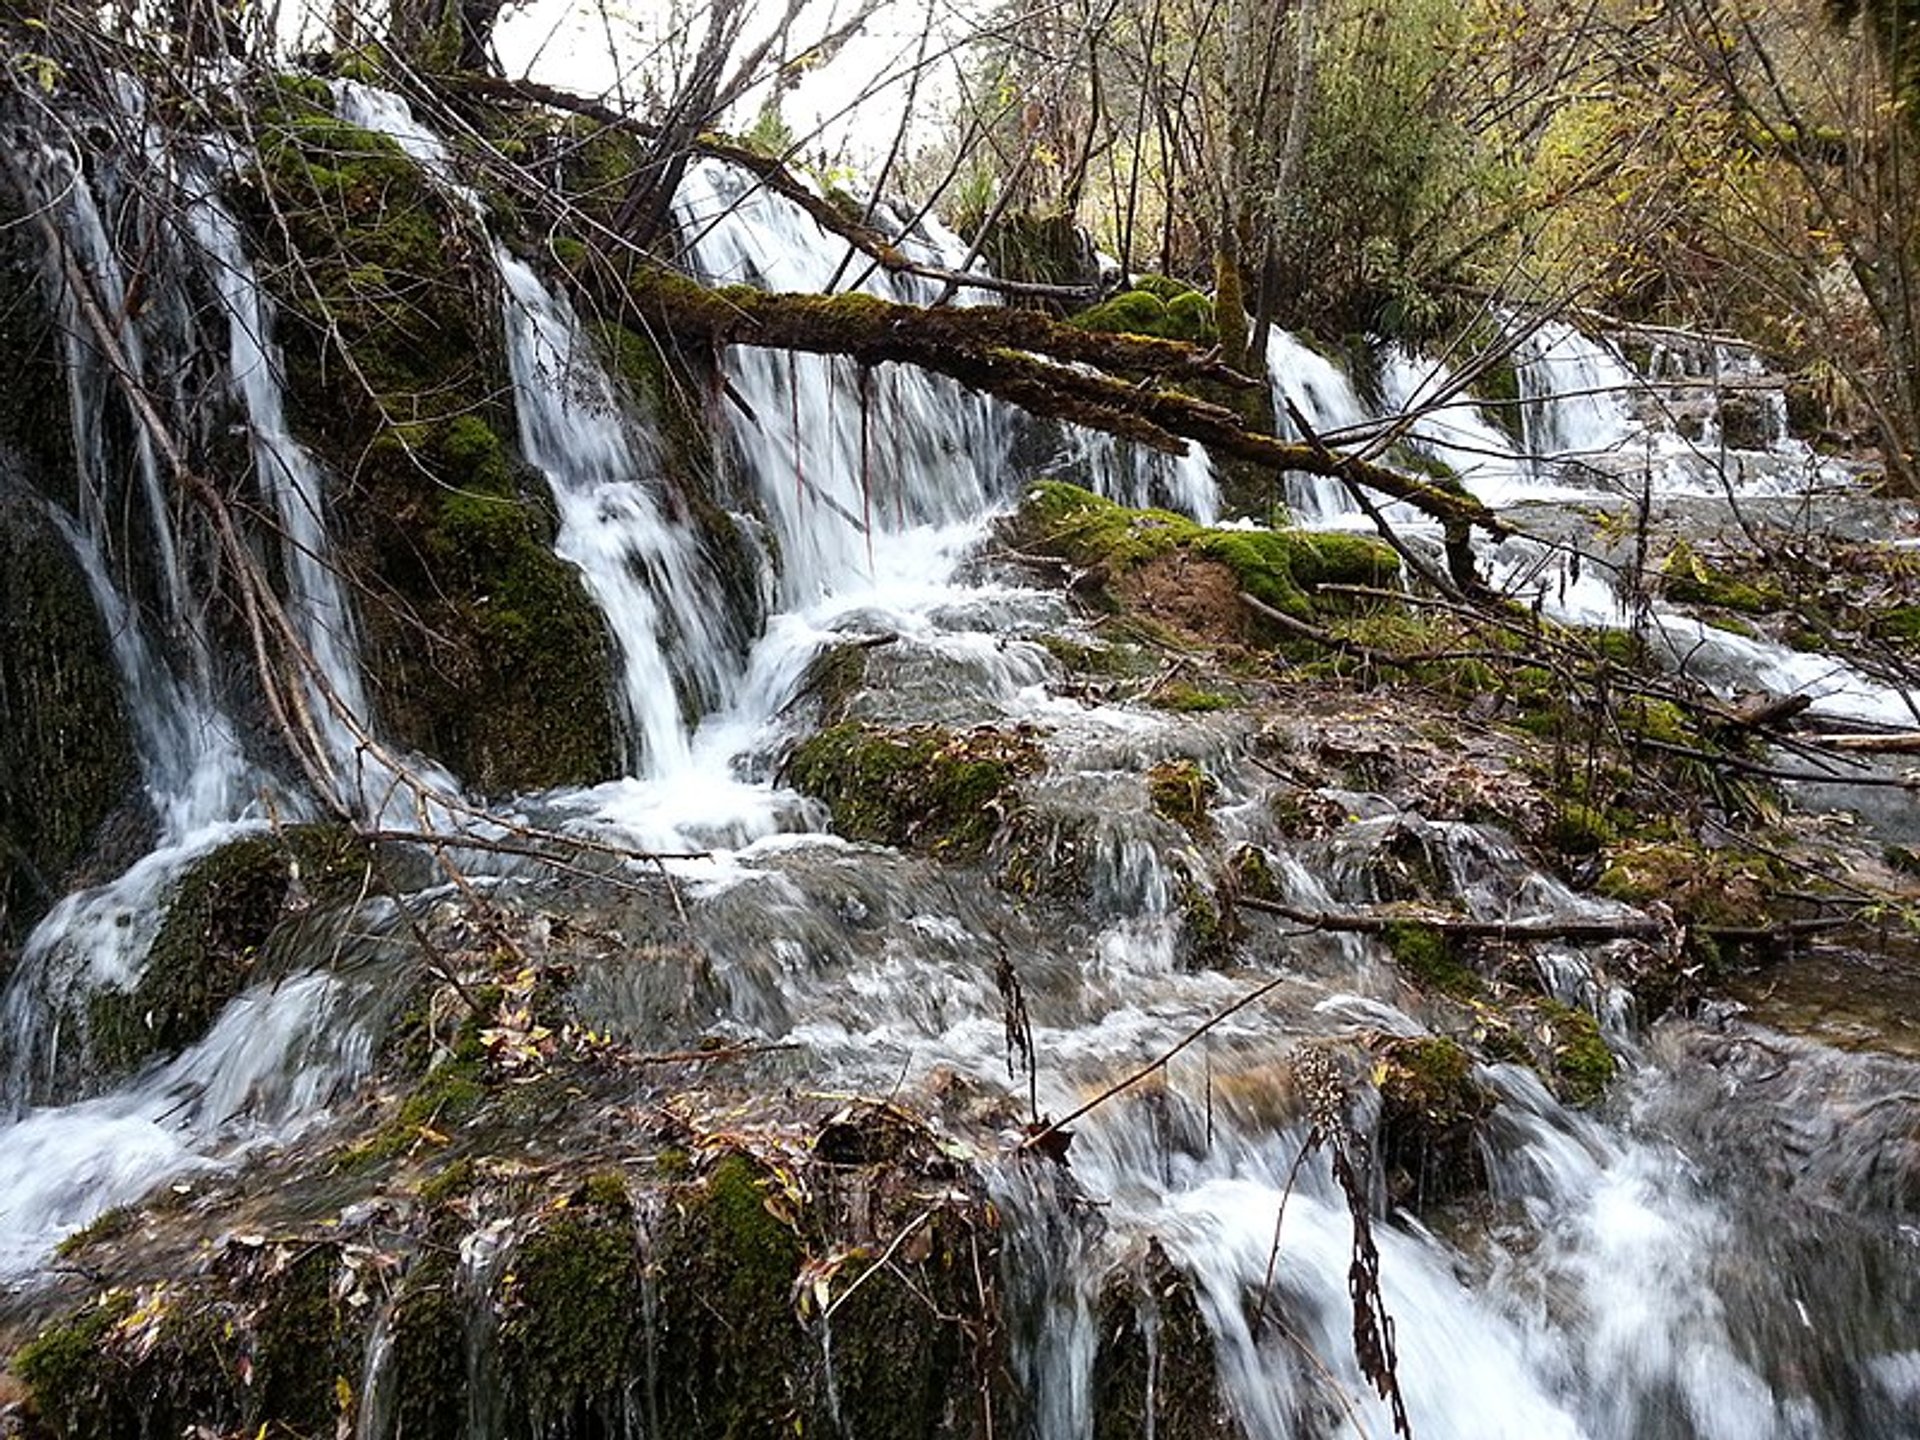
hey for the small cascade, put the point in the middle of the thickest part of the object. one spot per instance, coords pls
(647, 574)
(1325, 398)
(295, 488)
(867, 477)
(1574, 400)
(1127, 472)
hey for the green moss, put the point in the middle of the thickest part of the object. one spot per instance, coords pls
(1132, 312)
(1277, 567)
(1700, 886)
(1188, 700)
(485, 649)
(572, 1311)
(725, 1272)
(944, 791)
(220, 916)
(1426, 955)
(448, 1094)
(1181, 790)
(1154, 1369)
(1689, 579)
(1121, 661)
(449, 1183)
(1581, 829)
(63, 1368)
(1430, 1111)
(107, 1226)
(1206, 935)
(1582, 1064)
(428, 1332)
(1898, 623)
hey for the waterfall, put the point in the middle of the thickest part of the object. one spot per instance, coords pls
(1616, 1282)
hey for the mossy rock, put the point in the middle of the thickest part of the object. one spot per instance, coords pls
(1431, 1111)
(1181, 790)
(1429, 957)
(1580, 1065)
(1154, 1371)
(484, 647)
(569, 1339)
(725, 1269)
(1689, 579)
(220, 916)
(260, 1344)
(67, 760)
(948, 792)
(1279, 568)
(1700, 886)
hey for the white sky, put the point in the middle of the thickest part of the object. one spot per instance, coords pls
(581, 46)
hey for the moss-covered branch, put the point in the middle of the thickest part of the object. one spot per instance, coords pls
(1020, 356)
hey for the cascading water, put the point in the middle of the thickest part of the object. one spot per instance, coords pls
(1609, 1292)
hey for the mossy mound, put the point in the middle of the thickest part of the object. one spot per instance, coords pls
(943, 791)
(262, 1344)
(220, 916)
(66, 749)
(1279, 568)
(1580, 1065)
(1426, 955)
(1181, 790)
(1431, 1109)
(484, 646)
(1688, 578)
(1156, 306)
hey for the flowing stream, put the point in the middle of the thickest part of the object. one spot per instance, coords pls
(1624, 1277)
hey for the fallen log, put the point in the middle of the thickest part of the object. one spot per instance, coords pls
(1045, 367)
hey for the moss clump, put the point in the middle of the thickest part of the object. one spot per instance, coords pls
(947, 792)
(1581, 829)
(1188, 700)
(63, 1369)
(1207, 931)
(220, 916)
(452, 1091)
(1180, 790)
(572, 1308)
(484, 646)
(428, 1331)
(1154, 1371)
(1582, 1065)
(258, 1345)
(1690, 580)
(1426, 955)
(1701, 886)
(1277, 567)
(725, 1277)
(1431, 1108)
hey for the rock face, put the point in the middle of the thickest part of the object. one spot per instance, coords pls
(66, 754)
